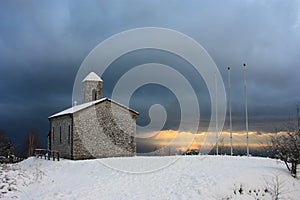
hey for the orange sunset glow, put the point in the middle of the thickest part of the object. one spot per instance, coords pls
(187, 140)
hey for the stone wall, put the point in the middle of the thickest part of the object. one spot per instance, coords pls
(104, 130)
(61, 135)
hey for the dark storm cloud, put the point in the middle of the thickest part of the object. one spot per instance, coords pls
(43, 43)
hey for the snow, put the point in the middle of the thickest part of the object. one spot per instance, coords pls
(92, 76)
(182, 177)
(77, 108)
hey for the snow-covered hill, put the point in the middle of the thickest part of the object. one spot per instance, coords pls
(175, 177)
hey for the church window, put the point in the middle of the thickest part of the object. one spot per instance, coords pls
(53, 135)
(69, 135)
(60, 134)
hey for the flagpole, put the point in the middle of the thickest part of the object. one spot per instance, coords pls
(246, 109)
(217, 131)
(298, 119)
(230, 120)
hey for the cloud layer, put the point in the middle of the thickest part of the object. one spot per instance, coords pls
(43, 43)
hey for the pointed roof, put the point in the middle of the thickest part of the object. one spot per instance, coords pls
(92, 76)
(80, 107)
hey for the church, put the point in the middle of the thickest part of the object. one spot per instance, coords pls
(100, 127)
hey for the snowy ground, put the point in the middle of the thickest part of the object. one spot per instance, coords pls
(185, 177)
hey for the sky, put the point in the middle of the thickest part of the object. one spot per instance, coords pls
(43, 43)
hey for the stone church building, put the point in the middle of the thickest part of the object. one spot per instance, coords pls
(100, 127)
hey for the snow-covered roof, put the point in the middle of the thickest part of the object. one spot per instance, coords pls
(77, 108)
(92, 76)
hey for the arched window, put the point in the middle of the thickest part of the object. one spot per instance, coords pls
(52, 135)
(69, 135)
(94, 94)
(60, 134)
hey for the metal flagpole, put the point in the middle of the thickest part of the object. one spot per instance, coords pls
(298, 119)
(246, 109)
(230, 121)
(217, 131)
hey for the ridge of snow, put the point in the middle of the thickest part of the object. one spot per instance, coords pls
(77, 108)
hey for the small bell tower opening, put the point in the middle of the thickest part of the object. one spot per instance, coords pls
(94, 95)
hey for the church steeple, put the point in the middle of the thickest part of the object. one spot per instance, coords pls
(92, 87)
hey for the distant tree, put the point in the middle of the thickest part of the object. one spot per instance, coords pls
(286, 147)
(31, 143)
(222, 148)
(6, 146)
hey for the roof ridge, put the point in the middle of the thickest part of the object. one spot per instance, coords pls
(80, 107)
